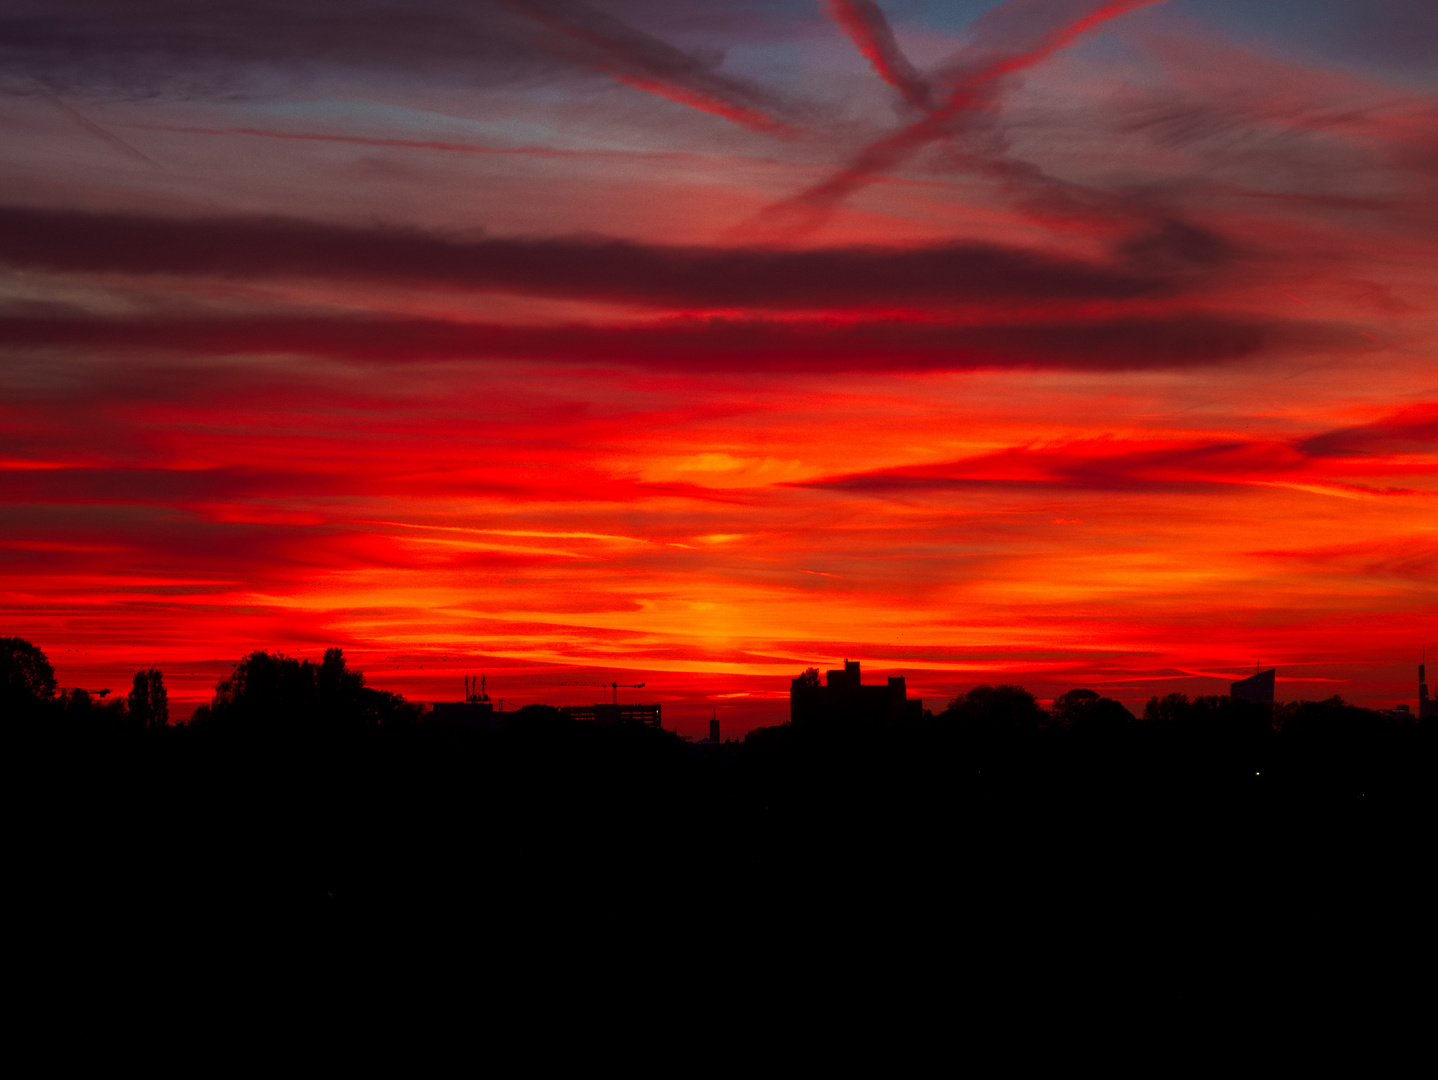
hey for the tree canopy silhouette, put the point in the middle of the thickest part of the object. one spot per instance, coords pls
(1088, 714)
(265, 689)
(27, 680)
(996, 710)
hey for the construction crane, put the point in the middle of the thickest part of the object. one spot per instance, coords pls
(64, 691)
(614, 687)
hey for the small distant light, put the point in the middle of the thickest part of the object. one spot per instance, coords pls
(1258, 774)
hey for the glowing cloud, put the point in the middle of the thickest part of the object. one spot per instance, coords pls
(1099, 353)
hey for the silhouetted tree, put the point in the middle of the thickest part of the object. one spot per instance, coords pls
(80, 710)
(1169, 711)
(810, 678)
(345, 699)
(1333, 721)
(265, 690)
(1067, 706)
(27, 681)
(1211, 732)
(148, 700)
(535, 720)
(995, 715)
(340, 691)
(387, 707)
(1090, 715)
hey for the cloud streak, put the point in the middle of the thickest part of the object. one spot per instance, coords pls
(867, 27)
(1012, 37)
(1175, 465)
(177, 47)
(1121, 370)
(640, 60)
(733, 346)
(610, 270)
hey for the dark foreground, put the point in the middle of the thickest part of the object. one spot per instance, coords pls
(931, 829)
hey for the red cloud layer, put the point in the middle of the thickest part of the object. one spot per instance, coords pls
(1113, 368)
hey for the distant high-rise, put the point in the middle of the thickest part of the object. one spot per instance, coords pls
(714, 728)
(1257, 687)
(1427, 709)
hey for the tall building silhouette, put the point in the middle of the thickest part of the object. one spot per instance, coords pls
(1426, 707)
(1257, 687)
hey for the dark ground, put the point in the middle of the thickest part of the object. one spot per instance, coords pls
(929, 827)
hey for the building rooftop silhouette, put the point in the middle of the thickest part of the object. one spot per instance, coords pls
(475, 712)
(844, 701)
(1257, 687)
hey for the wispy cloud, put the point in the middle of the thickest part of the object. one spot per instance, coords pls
(1320, 463)
(1008, 39)
(645, 62)
(430, 336)
(866, 25)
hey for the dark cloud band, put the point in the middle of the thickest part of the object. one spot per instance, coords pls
(598, 269)
(719, 345)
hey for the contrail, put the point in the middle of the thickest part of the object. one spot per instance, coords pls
(646, 63)
(422, 144)
(970, 85)
(114, 141)
(866, 25)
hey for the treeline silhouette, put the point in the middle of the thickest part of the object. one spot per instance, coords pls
(299, 791)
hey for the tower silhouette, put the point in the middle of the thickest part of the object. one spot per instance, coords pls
(1425, 707)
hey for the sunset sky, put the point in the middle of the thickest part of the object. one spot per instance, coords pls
(697, 342)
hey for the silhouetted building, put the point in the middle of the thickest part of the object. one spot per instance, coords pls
(1257, 688)
(466, 714)
(711, 742)
(845, 701)
(1426, 707)
(605, 713)
(476, 711)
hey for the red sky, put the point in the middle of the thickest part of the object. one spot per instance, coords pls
(1058, 342)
